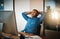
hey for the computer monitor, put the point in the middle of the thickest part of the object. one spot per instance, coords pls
(8, 20)
(1, 26)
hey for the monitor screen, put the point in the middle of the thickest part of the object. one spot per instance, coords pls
(1, 26)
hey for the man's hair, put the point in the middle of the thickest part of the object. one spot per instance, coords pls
(36, 11)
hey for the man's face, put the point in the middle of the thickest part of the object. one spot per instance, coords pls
(34, 13)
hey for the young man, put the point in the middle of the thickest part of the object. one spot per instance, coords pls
(33, 23)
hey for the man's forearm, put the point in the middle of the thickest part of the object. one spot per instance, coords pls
(28, 13)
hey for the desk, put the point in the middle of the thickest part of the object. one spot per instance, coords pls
(27, 34)
(18, 37)
(9, 35)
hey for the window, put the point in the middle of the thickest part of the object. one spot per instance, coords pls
(1, 4)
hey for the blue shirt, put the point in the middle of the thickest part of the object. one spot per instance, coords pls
(33, 24)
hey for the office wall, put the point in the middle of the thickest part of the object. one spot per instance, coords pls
(36, 4)
(21, 6)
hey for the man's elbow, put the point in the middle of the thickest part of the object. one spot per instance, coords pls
(23, 13)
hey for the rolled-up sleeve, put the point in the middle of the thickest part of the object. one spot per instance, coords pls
(42, 18)
(25, 16)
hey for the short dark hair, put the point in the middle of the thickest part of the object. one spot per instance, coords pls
(36, 11)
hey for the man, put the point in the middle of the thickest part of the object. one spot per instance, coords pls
(33, 23)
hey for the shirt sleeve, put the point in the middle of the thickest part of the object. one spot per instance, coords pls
(42, 18)
(25, 16)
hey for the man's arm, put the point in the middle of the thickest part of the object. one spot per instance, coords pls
(24, 14)
(42, 17)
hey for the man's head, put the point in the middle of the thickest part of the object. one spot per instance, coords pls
(34, 13)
